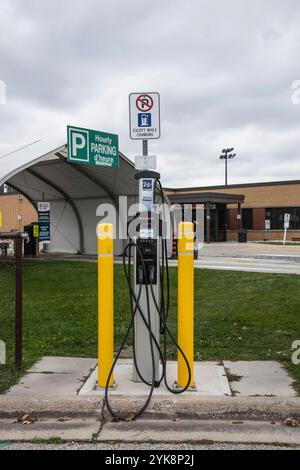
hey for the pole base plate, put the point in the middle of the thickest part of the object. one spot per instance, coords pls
(112, 387)
(177, 388)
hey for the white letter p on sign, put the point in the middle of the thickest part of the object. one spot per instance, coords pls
(78, 143)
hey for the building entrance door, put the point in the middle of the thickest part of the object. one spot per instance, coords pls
(218, 223)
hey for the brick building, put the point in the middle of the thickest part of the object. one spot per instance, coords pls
(255, 202)
(16, 212)
(258, 202)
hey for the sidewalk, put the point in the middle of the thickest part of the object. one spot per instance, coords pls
(60, 413)
(145, 431)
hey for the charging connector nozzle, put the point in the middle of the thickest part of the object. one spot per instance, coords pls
(151, 273)
(140, 274)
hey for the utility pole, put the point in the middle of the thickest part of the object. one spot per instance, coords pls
(227, 154)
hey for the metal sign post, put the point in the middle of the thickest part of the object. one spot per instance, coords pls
(145, 147)
(287, 218)
(267, 227)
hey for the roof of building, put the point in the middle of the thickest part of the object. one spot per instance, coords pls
(230, 186)
(206, 197)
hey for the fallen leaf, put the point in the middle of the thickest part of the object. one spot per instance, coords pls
(23, 418)
(63, 419)
(292, 422)
(26, 419)
(129, 418)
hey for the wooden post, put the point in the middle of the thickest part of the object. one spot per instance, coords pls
(19, 301)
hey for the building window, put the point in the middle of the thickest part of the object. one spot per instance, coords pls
(276, 216)
(247, 219)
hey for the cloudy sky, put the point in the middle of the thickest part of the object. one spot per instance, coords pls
(224, 70)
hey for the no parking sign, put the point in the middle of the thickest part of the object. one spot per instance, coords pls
(144, 116)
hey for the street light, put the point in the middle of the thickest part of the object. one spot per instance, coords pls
(226, 155)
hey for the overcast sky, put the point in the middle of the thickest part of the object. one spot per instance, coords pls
(224, 70)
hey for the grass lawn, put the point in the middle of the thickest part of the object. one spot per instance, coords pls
(238, 315)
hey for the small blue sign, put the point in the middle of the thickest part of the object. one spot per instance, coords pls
(147, 185)
(144, 119)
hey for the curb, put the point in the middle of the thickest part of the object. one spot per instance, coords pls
(218, 408)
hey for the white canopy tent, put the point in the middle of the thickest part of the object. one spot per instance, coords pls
(40, 171)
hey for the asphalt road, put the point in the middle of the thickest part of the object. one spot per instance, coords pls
(115, 447)
(251, 257)
(248, 257)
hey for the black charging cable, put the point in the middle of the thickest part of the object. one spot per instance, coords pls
(133, 300)
(162, 311)
(134, 310)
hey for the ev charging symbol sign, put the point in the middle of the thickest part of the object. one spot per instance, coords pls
(144, 120)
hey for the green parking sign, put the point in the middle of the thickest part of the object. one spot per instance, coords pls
(92, 147)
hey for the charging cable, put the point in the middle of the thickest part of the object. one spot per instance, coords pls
(162, 311)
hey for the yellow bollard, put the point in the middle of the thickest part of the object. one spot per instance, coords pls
(185, 302)
(105, 303)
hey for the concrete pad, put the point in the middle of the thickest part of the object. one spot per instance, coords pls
(210, 380)
(63, 365)
(198, 430)
(72, 430)
(52, 376)
(260, 378)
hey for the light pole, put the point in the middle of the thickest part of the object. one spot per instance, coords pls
(227, 154)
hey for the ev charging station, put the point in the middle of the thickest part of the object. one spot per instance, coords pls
(147, 252)
(147, 248)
